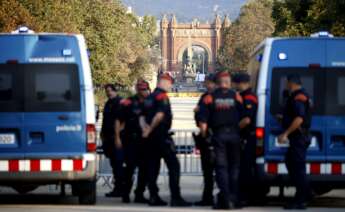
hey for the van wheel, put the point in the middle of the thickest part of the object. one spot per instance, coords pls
(87, 192)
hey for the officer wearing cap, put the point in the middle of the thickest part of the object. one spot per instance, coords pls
(114, 154)
(221, 113)
(247, 125)
(206, 148)
(156, 123)
(131, 140)
(296, 123)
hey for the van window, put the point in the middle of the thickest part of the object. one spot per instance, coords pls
(6, 87)
(52, 87)
(312, 82)
(326, 86)
(39, 88)
(335, 95)
(9, 85)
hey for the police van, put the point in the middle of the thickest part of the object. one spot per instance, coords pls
(320, 61)
(47, 113)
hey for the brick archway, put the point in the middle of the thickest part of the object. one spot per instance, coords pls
(177, 37)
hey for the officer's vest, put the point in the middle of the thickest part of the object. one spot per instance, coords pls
(224, 112)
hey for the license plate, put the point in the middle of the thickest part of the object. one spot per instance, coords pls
(7, 139)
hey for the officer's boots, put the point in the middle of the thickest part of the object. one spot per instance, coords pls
(155, 200)
(205, 202)
(179, 202)
(139, 198)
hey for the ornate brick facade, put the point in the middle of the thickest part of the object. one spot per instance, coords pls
(177, 37)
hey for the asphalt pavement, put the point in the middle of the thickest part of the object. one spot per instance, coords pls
(48, 199)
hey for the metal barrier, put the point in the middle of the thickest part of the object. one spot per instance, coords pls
(188, 156)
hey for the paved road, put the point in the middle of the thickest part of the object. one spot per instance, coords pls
(48, 199)
(183, 112)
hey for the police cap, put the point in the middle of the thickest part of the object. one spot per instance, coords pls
(211, 77)
(294, 78)
(166, 76)
(243, 78)
(222, 74)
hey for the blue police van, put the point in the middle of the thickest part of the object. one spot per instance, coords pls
(320, 61)
(47, 113)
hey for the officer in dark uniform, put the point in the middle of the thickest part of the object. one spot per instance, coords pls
(206, 148)
(296, 123)
(156, 123)
(221, 112)
(114, 154)
(131, 139)
(248, 126)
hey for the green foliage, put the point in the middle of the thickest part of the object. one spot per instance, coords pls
(118, 42)
(239, 40)
(303, 17)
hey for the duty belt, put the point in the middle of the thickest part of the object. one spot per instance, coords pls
(225, 130)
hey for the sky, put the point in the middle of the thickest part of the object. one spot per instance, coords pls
(186, 10)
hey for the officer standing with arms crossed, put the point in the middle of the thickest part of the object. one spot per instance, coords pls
(250, 105)
(156, 123)
(206, 148)
(132, 142)
(296, 123)
(114, 154)
(221, 112)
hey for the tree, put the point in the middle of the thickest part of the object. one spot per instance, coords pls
(239, 40)
(13, 14)
(304, 17)
(118, 42)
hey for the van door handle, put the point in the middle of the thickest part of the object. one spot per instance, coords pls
(63, 117)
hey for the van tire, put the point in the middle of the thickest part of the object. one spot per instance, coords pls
(87, 192)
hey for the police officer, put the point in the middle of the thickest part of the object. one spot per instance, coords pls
(134, 148)
(114, 154)
(247, 125)
(156, 123)
(296, 123)
(221, 112)
(206, 148)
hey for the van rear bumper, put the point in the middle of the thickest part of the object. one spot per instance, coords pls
(48, 171)
(282, 179)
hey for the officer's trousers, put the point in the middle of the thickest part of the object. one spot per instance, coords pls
(228, 153)
(116, 158)
(134, 157)
(207, 164)
(162, 146)
(247, 170)
(295, 160)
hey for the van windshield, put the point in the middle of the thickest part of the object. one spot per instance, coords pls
(326, 86)
(39, 88)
